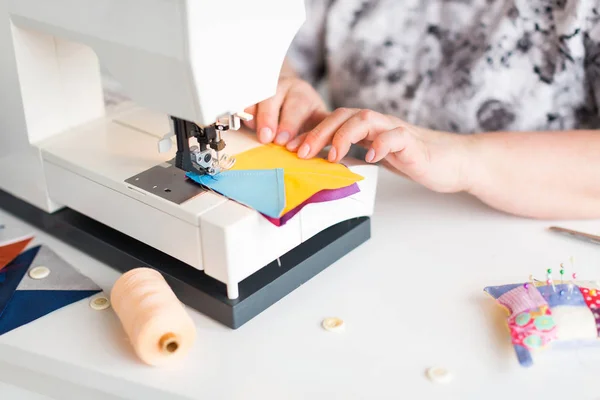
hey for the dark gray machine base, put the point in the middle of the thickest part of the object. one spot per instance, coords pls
(194, 288)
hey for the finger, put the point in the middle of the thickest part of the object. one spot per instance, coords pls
(366, 125)
(267, 116)
(315, 119)
(319, 137)
(393, 141)
(295, 111)
(295, 143)
(252, 123)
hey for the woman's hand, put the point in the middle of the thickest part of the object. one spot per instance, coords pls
(295, 108)
(434, 159)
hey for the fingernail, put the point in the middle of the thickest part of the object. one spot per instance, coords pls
(332, 155)
(370, 155)
(303, 151)
(266, 135)
(282, 138)
(293, 144)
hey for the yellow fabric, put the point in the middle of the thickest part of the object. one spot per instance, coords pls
(303, 178)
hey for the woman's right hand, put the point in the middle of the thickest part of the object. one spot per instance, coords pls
(295, 108)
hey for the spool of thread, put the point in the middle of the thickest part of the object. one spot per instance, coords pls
(158, 326)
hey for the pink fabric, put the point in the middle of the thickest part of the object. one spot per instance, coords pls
(520, 299)
(533, 329)
(320, 197)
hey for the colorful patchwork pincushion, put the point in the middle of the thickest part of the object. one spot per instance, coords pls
(543, 313)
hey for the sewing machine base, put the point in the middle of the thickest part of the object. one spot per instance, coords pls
(194, 288)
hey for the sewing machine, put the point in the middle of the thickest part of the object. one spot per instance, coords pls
(112, 181)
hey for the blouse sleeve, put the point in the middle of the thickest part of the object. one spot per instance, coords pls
(307, 52)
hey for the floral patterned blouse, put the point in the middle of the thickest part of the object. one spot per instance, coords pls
(464, 66)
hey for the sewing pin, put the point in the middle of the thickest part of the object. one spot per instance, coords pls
(574, 276)
(562, 274)
(533, 280)
(550, 281)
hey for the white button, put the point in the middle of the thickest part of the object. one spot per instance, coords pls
(439, 375)
(100, 303)
(39, 273)
(333, 324)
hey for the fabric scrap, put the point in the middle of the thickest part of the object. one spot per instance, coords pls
(561, 295)
(24, 300)
(533, 329)
(523, 356)
(27, 306)
(303, 178)
(62, 275)
(261, 190)
(575, 323)
(320, 197)
(592, 300)
(520, 299)
(497, 291)
(13, 275)
(11, 249)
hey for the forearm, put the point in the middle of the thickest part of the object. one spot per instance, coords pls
(545, 175)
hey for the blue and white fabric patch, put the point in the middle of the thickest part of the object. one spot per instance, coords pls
(24, 299)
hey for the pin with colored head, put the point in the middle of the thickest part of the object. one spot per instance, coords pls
(549, 280)
(572, 283)
(562, 274)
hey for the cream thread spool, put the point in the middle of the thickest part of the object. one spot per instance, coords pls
(155, 321)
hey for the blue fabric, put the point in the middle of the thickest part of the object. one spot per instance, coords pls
(523, 355)
(497, 291)
(565, 299)
(2, 277)
(14, 272)
(261, 190)
(28, 305)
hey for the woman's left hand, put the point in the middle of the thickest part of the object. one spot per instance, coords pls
(437, 160)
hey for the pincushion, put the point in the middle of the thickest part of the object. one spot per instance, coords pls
(541, 314)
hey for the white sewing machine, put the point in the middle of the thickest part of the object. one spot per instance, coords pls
(197, 60)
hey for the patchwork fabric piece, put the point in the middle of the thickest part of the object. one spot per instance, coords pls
(545, 314)
(303, 178)
(24, 299)
(592, 300)
(575, 324)
(11, 249)
(62, 275)
(321, 197)
(561, 295)
(532, 329)
(14, 274)
(497, 291)
(263, 191)
(520, 299)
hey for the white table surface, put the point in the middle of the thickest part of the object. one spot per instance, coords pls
(412, 297)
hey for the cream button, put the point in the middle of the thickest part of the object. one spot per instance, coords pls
(333, 324)
(39, 273)
(100, 303)
(439, 375)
